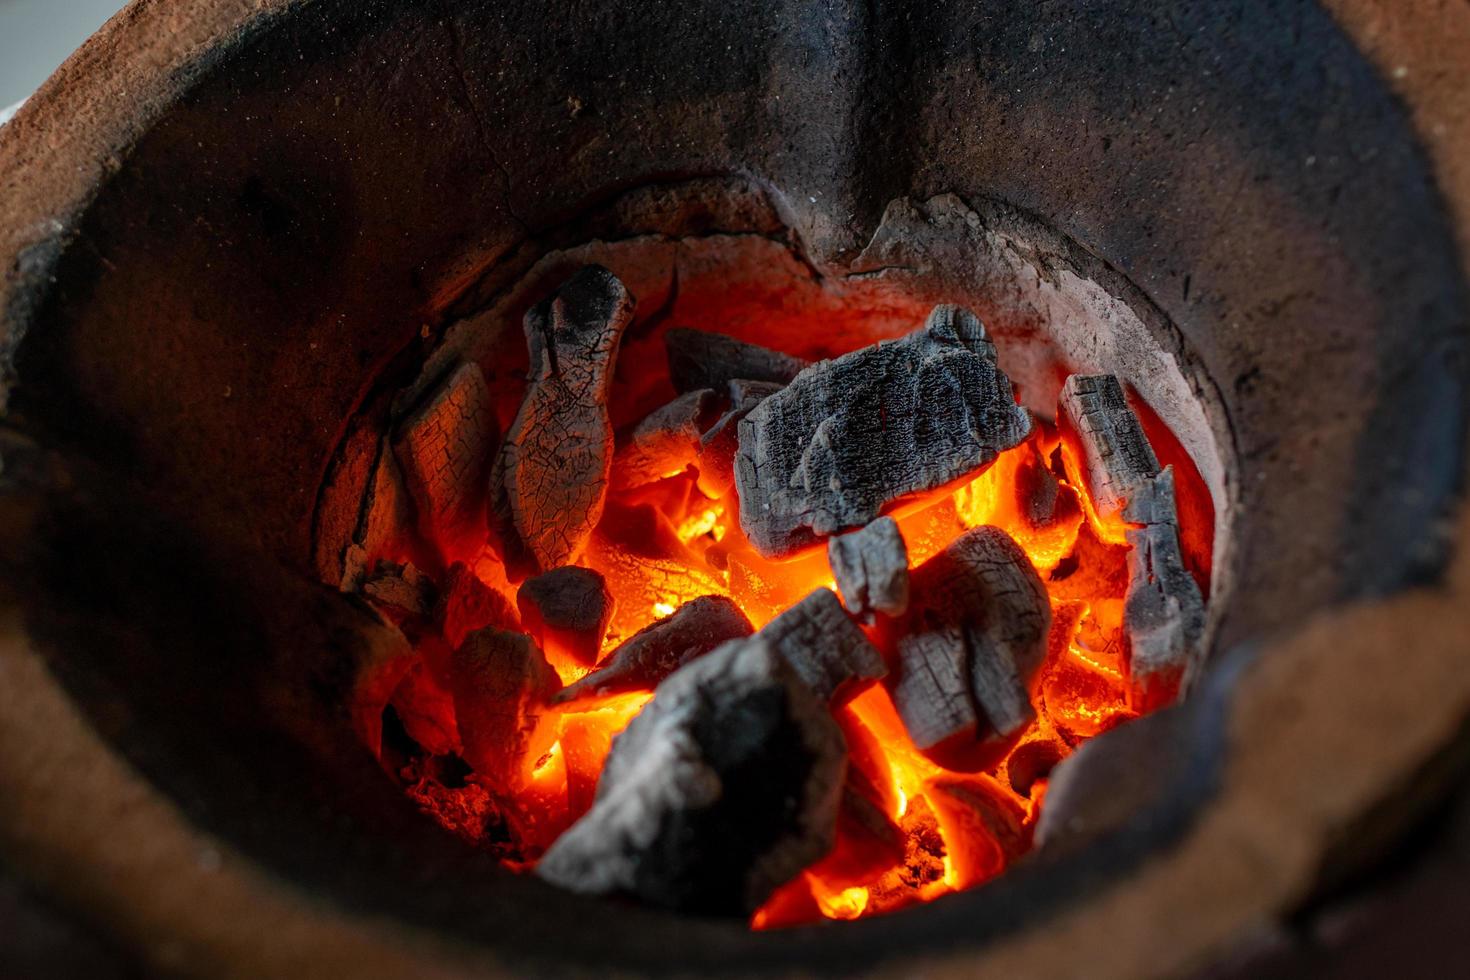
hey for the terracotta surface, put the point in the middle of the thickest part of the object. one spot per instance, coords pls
(1315, 753)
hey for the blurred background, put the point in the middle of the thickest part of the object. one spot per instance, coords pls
(37, 35)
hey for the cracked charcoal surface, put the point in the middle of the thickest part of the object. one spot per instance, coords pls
(1117, 456)
(552, 473)
(667, 441)
(827, 648)
(700, 359)
(871, 568)
(847, 437)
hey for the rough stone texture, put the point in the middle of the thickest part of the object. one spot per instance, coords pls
(444, 450)
(552, 473)
(848, 437)
(969, 650)
(1117, 459)
(700, 359)
(871, 567)
(721, 790)
(667, 441)
(1164, 613)
(826, 648)
(567, 609)
(501, 684)
(649, 656)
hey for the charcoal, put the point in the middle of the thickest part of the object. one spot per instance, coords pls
(656, 651)
(401, 589)
(426, 710)
(567, 610)
(444, 449)
(501, 685)
(986, 825)
(717, 447)
(871, 568)
(386, 514)
(700, 359)
(550, 479)
(970, 649)
(1116, 456)
(849, 437)
(466, 604)
(667, 441)
(826, 648)
(723, 788)
(1163, 611)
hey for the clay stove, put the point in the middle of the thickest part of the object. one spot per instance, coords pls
(225, 294)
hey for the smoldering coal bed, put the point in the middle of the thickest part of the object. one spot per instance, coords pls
(608, 543)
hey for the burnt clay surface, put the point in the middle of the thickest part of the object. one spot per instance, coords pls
(1236, 181)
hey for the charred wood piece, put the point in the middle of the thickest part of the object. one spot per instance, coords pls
(501, 685)
(700, 359)
(826, 648)
(1163, 610)
(444, 449)
(386, 514)
(723, 788)
(970, 649)
(426, 710)
(848, 437)
(871, 568)
(656, 651)
(667, 441)
(1116, 457)
(987, 825)
(400, 588)
(466, 604)
(567, 610)
(717, 447)
(550, 478)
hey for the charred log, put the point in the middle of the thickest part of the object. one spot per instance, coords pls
(501, 685)
(386, 514)
(849, 437)
(1115, 454)
(871, 568)
(969, 650)
(722, 789)
(667, 441)
(717, 447)
(567, 610)
(467, 604)
(700, 359)
(824, 646)
(551, 476)
(656, 651)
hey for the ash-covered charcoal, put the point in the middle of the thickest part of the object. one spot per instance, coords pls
(826, 648)
(386, 515)
(1039, 493)
(847, 437)
(567, 610)
(501, 685)
(1116, 456)
(659, 649)
(717, 447)
(426, 710)
(466, 604)
(551, 476)
(871, 568)
(986, 825)
(969, 650)
(1164, 613)
(667, 441)
(700, 359)
(400, 589)
(444, 449)
(723, 788)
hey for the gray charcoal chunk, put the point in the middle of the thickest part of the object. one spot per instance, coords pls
(701, 359)
(871, 568)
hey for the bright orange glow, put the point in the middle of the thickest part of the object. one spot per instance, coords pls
(662, 546)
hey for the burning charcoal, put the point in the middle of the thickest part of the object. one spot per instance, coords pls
(848, 437)
(1116, 456)
(467, 604)
(658, 650)
(825, 647)
(567, 610)
(427, 711)
(551, 476)
(969, 650)
(985, 826)
(871, 567)
(445, 448)
(1164, 613)
(723, 788)
(667, 441)
(400, 588)
(718, 446)
(501, 684)
(698, 359)
(385, 516)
